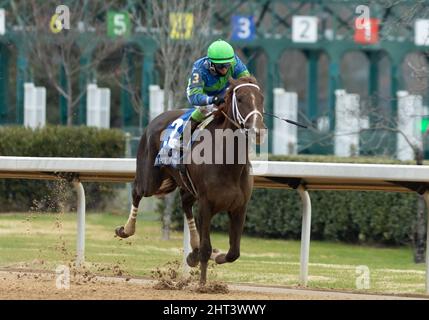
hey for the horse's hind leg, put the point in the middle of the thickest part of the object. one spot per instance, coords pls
(187, 201)
(130, 227)
(141, 188)
(236, 225)
(205, 215)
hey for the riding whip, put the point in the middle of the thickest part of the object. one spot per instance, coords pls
(287, 120)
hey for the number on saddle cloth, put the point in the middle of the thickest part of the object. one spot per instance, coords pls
(170, 151)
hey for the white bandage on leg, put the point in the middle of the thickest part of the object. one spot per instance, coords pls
(195, 237)
(130, 227)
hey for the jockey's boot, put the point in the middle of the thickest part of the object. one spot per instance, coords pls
(194, 124)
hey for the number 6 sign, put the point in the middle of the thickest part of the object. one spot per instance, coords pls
(304, 29)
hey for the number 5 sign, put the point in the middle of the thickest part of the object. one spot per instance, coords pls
(243, 28)
(304, 29)
(118, 24)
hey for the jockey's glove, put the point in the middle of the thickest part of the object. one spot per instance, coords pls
(217, 100)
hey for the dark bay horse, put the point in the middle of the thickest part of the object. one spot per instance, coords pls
(225, 186)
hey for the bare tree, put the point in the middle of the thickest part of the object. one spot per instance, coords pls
(181, 31)
(382, 127)
(59, 54)
(417, 147)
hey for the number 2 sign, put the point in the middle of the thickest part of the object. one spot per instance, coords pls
(304, 29)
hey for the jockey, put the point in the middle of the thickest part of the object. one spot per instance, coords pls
(209, 78)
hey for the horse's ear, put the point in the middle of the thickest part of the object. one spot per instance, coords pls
(253, 80)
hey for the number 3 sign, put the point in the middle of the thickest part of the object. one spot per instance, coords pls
(304, 29)
(243, 28)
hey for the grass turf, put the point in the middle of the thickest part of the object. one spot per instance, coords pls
(43, 241)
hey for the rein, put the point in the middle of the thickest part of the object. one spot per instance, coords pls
(231, 120)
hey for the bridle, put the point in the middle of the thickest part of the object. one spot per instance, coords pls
(238, 120)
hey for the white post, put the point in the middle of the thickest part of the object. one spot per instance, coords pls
(34, 106)
(156, 101)
(80, 246)
(410, 110)
(186, 245)
(426, 197)
(2, 21)
(104, 94)
(347, 127)
(305, 234)
(41, 106)
(285, 136)
(98, 106)
(91, 105)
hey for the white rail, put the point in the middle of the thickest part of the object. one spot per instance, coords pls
(302, 176)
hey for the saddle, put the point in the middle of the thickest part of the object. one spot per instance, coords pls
(175, 144)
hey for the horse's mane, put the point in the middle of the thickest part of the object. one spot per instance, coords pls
(228, 96)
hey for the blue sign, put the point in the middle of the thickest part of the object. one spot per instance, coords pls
(243, 28)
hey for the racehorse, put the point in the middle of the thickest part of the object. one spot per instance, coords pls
(215, 186)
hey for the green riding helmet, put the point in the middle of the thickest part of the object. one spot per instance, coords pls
(220, 52)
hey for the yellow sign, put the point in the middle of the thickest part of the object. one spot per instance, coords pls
(55, 24)
(181, 25)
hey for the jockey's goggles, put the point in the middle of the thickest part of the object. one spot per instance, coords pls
(222, 65)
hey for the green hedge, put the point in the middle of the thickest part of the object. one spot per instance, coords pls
(56, 141)
(350, 216)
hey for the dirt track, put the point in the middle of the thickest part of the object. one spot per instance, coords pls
(29, 285)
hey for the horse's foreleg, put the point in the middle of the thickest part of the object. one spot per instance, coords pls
(193, 257)
(236, 225)
(130, 226)
(195, 237)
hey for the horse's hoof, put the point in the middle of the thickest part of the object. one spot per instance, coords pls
(220, 258)
(192, 260)
(121, 233)
(215, 254)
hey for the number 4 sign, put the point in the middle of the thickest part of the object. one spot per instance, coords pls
(304, 29)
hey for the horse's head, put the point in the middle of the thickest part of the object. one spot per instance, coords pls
(244, 102)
